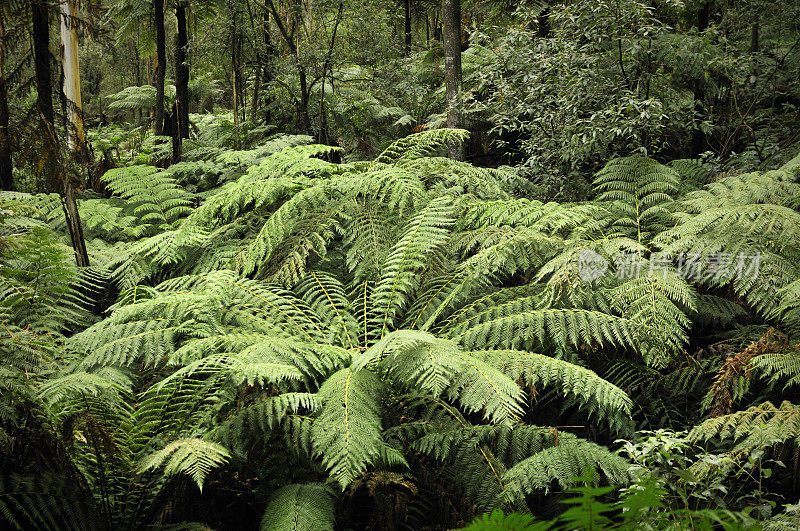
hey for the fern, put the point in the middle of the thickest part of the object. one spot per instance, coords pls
(597, 396)
(742, 216)
(500, 328)
(399, 274)
(157, 200)
(347, 433)
(641, 191)
(296, 507)
(45, 502)
(193, 457)
(562, 464)
(419, 145)
(759, 425)
(659, 302)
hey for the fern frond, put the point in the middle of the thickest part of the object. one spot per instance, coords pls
(46, 502)
(600, 398)
(109, 383)
(754, 427)
(158, 200)
(562, 464)
(480, 387)
(415, 359)
(257, 421)
(510, 325)
(193, 457)
(497, 520)
(400, 273)
(418, 145)
(641, 191)
(347, 432)
(779, 366)
(295, 507)
(658, 303)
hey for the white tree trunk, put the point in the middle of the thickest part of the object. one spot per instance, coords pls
(72, 76)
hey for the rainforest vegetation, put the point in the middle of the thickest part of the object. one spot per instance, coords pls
(399, 264)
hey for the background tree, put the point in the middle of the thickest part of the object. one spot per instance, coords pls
(451, 34)
(6, 149)
(160, 66)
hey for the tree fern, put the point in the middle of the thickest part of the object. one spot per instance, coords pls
(659, 302)
(419, 145)
(500, 328)
(755, 426)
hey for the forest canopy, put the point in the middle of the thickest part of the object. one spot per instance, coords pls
(418, 264)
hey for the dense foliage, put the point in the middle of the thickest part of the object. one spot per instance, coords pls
(268, 294)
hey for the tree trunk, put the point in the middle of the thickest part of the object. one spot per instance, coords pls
(408, 26)
(41, 53)
(256, 89)
(177, 140)
(44, 94)
(324, 136)
(268, 52)
(6, 165)
(180, 110)
(75, 138)
(182, 70)
(451, 17)
(76, 141)
(703, 14)
(699, 92)
(70, 205)
(236, 75)
(304, 120)
(754, 37)
(161, 67)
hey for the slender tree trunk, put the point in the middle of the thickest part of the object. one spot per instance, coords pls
(256, 89)
(703, 14)
(303, 118)
(451, 16)
(235, 72)
(324, 137)
(408, 26)
(182, 70)
(427, 31)
(161, 67)
(754, 36)
(70, 205)
(6, 164)
(75, 137)
(257, 70)
(698, 137)
(268, 52)
(177, 140)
